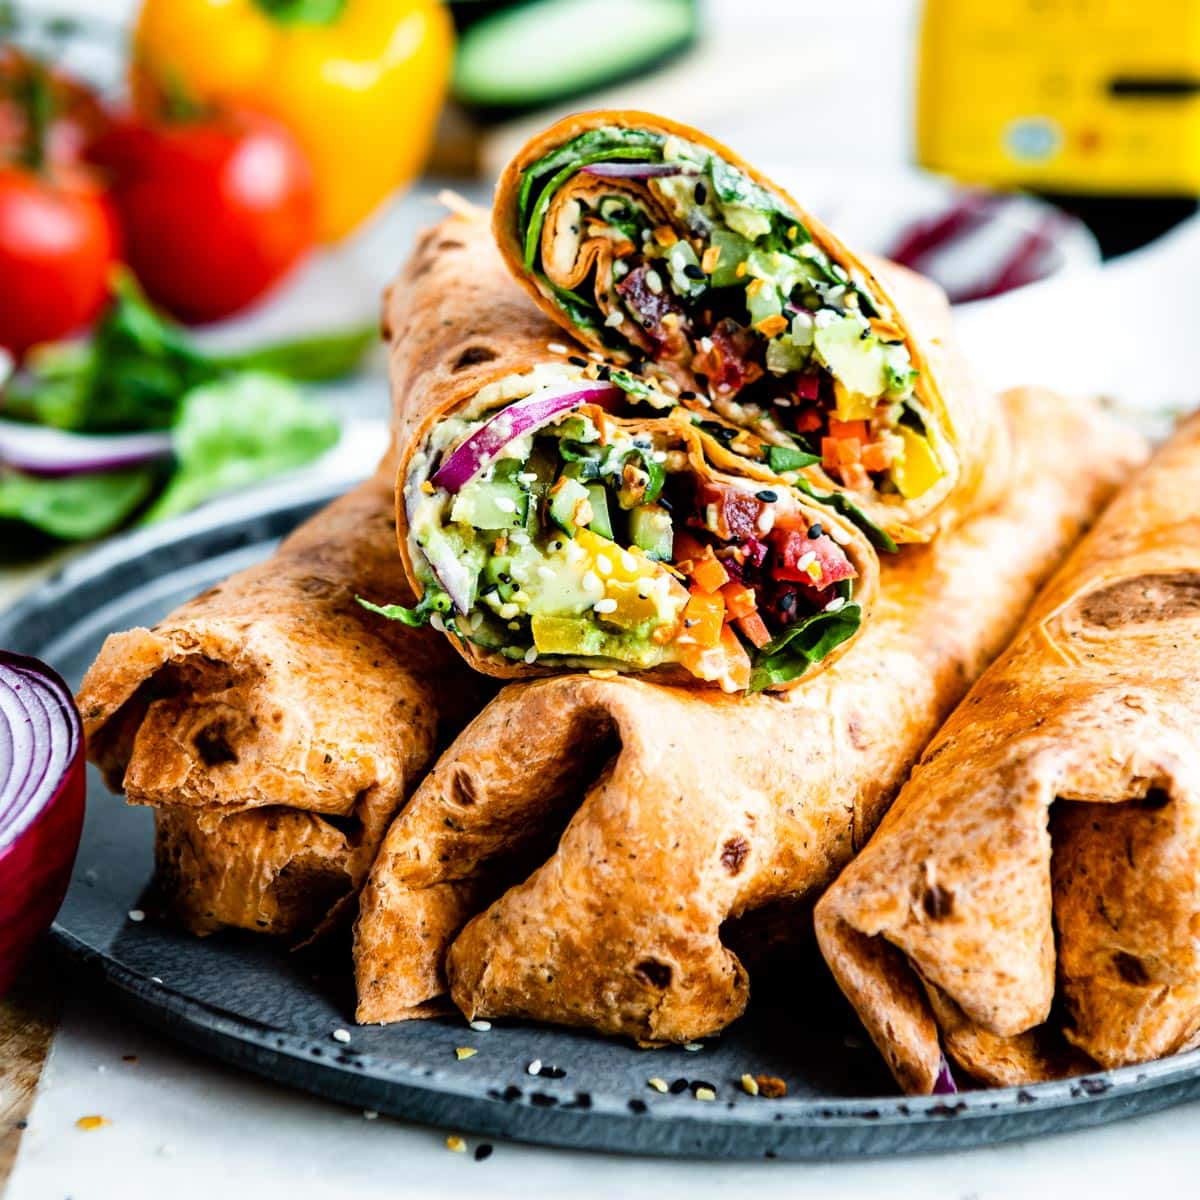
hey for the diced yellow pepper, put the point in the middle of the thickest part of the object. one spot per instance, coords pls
(627, 566)
(850, 406)
(917, 469)
(632, 609)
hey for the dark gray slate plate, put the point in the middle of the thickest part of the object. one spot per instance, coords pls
(256, 1006)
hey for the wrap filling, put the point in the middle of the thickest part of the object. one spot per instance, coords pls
(679, 263)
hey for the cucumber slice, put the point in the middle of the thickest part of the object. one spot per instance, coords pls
(543, 51)
(650, 529)
(601, 522)
(494, 505)
(564, 500)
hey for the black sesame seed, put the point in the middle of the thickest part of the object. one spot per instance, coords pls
(687, 394)
(678, 1087)
(482, 1151)
(549, 1072)
(577, 360)
(815, 530)
(701, 192)
(604, 372)
(787, 602)
(637, 1106)
(511, 1093)
(766, 496)
(541, 1100)
(692, 271)
(582, 1100)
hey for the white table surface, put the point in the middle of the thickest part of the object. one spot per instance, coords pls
(185, 1127)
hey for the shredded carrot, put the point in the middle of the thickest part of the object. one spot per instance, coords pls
(848, 429)
(624, 248)
(708, 573)
(875, 457)
(754, 627)
(664, 235)
(770, 326)
(703, 618)
(712, 256)
(739, 600)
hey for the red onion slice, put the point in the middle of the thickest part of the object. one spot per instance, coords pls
(41, 802)
(455, 579)
(516, 420)
(38, 450)
(944, 1084)
(637, 170)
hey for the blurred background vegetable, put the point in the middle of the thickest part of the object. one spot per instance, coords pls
(216, 207)
(58, 232)
(93, 431)
(358, 82)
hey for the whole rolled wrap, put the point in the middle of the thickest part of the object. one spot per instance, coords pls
(655, 245)
(276, 726)
(593, 835)
(1030, 902)
(527, 569)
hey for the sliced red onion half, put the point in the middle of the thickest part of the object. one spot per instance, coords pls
(37, 450)
(637, 170)
(516, 420)
(944, 1084)
(41, 802)
(456, 579)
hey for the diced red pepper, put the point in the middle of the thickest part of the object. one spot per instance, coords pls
(807, 387)
(828, 565)
(728, 512)
(848, 429)
(808, 420)
(875, 457)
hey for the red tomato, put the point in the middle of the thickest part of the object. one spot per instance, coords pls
(793, 547)
(58, 242)
(215, 210)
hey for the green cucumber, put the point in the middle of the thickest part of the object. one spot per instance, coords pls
(601, 522)
(651, 531)
(492, 506)
(564, 500)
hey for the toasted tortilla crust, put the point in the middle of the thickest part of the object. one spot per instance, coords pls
(965, 428)
(277, 725)
(1039, 877)
(679, 809)
(455, 324)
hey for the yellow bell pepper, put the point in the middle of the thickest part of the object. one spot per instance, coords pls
(918, 469)
(358, 82)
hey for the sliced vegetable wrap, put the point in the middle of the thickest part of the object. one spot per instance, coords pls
(578, 852)
(1030, 903)
(276, 726)
(545, 530)
(659, 248)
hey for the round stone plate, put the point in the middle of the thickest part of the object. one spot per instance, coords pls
(256, 1005)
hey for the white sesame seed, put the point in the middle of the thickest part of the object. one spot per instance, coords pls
(437, 623)
(628, 562)
(556, 348)
(694, 1046)
(545, 573)
(341, 1035)
(659, 1085)
(156, 978)
(806, 560)
(527, 477)
(705, 1093)
(505, 505)
(614, 320)
(706, 344)
(531, 655)
(519, 537)
(839, 535)
(836, 603)
(591, 582)
(369, 1114)
(480, 1026)
(603, 564)
(595, 356)
(507, 611)
(136, 915)
(766, 521)
(824, 318)
(534, 1067)
(749, 1085)
(659, 456)
(606, 605)
(654, 282)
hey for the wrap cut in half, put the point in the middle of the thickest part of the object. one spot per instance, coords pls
(661, 249)
(277, 726)
(1033, 895)
(545, 529)
(593, 835)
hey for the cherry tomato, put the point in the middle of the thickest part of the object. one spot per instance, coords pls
(77, 116)
(58, 241)
(215, 209)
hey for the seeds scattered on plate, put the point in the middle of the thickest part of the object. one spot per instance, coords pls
(341, 1035)
(659, 1085)
(480, 1026)
(136, 914)
(534, 1067)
